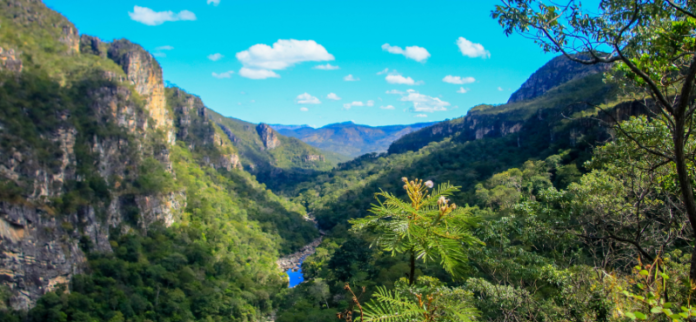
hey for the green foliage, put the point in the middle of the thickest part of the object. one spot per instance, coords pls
(426, 300)
(428, 227)
(154, 178)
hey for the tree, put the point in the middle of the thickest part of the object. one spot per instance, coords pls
(652, 46)
(428, 227)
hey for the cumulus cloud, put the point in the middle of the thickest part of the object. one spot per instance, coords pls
(370, 103)
(283, 54)
(164, 48)
(395, 91)
(257, 73)
(354, 103)
(384, 71)
(153, 18)
(472, 50)
(458, 79)
(226, 74)
(326, 67)
(388, 107)
(416, 53)
(215, 56)
(398, 79)
(159, 54)
(307, 99)
(333, 96)
(350, 78)
(500, 89)
(421, 115)
(462, 90)
(424, 103)
(304, 109)
(214, 2)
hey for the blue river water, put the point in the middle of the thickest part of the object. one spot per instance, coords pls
(295, 277)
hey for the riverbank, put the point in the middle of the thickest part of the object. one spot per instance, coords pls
(294, 260)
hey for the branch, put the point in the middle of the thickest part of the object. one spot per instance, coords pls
(680, 9)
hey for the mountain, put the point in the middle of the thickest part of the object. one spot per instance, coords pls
(115, 188)
(349, 138)
(559, 83)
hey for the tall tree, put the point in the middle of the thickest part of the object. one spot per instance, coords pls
(653, 46)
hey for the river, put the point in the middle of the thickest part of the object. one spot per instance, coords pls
(292, 264)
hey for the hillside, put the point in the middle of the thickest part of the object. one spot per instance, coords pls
(559, 83)
(349, 138)
(121, 189)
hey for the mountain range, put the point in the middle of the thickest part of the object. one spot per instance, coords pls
(348, 138)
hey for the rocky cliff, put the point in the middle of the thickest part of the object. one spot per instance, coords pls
(268, 136)
(554, 73)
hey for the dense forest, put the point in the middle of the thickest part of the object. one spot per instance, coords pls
(125, 200)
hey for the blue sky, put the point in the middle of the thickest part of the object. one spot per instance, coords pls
(427, 41)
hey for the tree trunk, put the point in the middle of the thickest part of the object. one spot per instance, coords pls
(685, 181)
(412, 276)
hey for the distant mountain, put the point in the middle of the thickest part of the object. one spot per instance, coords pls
(349, 138)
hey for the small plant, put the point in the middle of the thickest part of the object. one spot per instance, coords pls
(647, 293)
(427, 227)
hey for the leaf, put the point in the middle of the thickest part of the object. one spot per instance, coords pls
(644, 273)
(656, 310)
(630, 315)
(640, 315)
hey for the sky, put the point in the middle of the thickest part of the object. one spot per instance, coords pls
(322, 62)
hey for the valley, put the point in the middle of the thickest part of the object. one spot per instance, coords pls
(126, 198)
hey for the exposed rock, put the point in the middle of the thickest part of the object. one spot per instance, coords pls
(92, 45)
(268, 136)
(145, 74)
(9, 60)
(37, 252)
(312, 158)
(294, 260)
(556, 72)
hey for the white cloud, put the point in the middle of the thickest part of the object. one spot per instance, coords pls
(304, 109)
(458, 79)
(388, 107)
(350, 78)
(424, 103)
(398, 79)
(384, 71)
(307, 99)
(215, 56)
(159, 54)
(333, 96)
(355, 103)
(326, 67)
(462, 90)
(153, 18)
(214, 2)
(416, 53)
(421, 115)
(500, 89)
(370, 103)
(226, 74)
(164, 48)
(410, 91)
(283, 54)
(394, 91)
(472, 50)
(257, 73)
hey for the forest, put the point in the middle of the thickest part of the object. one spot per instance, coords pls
(586, 211)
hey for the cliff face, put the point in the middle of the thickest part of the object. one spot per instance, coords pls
(268, 136)
(554, 73)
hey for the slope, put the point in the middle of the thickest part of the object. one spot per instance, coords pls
(117, 190)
